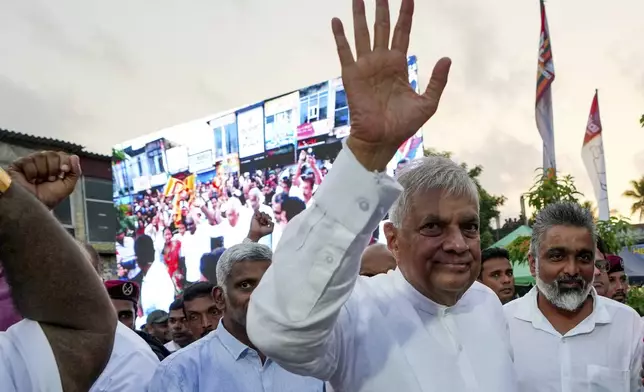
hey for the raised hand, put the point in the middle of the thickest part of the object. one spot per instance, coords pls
(260, 226)
(51, 176)
(385, 110)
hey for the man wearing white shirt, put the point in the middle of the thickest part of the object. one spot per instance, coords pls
(428, 325)
(67, 335)
(194, 244)
(565, 336)
(234, 227)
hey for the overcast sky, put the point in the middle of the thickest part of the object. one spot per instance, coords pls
(100, 73)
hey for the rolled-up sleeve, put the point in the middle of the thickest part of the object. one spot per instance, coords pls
(296, 314)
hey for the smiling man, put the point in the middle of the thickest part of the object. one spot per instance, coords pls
(565, 337)
(497, 273)
(426, 326)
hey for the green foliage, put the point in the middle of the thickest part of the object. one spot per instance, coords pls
(550, 189)
(489, 204)
(637, 194)
(616, 233)
(636, 299)
(642, 121)
(519, 248)
(118, 156)
(125, 219)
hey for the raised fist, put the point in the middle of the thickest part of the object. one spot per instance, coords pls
(261, 226)
(51, 176)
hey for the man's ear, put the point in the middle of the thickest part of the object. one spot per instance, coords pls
(391, 234)
(532, 262)
(220, 298)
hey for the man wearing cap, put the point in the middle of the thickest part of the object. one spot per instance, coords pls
(617, 279)
(157, 325)
(124, 296)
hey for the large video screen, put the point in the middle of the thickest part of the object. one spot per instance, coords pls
(190, 189)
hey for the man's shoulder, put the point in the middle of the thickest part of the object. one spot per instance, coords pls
(129, 346)
(190, 356)
(617, 309)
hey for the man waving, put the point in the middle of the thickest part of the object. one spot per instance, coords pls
(428, 325)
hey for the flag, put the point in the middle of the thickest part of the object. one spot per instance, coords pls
(543, 112)
(592, 152)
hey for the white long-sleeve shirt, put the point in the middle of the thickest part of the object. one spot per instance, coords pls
(602, 353)
(312, 314)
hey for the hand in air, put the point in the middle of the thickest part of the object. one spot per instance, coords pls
(261, 226)
(385, 110)
(50, 176)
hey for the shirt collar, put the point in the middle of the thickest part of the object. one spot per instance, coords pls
(230, 343)
(527, 310)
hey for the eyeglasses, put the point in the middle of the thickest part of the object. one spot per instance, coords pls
(602, 265)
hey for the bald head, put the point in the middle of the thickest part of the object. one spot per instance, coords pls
(377, 259)
(92, 255)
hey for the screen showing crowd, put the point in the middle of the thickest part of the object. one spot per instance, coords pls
(191, 190)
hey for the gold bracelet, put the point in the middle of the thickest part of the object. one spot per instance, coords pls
(5, 181)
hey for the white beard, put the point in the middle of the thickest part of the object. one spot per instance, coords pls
(569, 300)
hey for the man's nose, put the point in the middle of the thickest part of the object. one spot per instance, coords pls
(455, 242)
(597, 271)
(571, 267)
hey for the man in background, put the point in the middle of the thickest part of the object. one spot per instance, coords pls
(157, 325)
(601, 269)
(497, 273)
(181, 335)
(200, 309)
(124, 296)
(209, 265)
(377, 259)
(617, 280)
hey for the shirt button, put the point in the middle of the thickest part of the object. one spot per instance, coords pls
(364, 204)
(329, 259)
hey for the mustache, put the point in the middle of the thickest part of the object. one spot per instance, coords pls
(571, 279)
(206, 332)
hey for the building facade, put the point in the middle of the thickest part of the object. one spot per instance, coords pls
(88, 214)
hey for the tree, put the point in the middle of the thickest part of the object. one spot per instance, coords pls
(550, 189)
(547, 189)
(616, 234)
(488, 204)
(637, 193)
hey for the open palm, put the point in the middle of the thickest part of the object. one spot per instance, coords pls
(385, 110)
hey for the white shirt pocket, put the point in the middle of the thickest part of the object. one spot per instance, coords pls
(604, 379)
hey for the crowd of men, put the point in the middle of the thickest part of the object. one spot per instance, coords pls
(179, 242)
(327, 311)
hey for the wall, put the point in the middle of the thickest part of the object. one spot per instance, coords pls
(92, 168)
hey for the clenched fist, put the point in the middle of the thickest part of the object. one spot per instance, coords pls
(260, 226)
(50, 176)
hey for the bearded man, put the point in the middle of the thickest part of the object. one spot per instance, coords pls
(566, 337)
